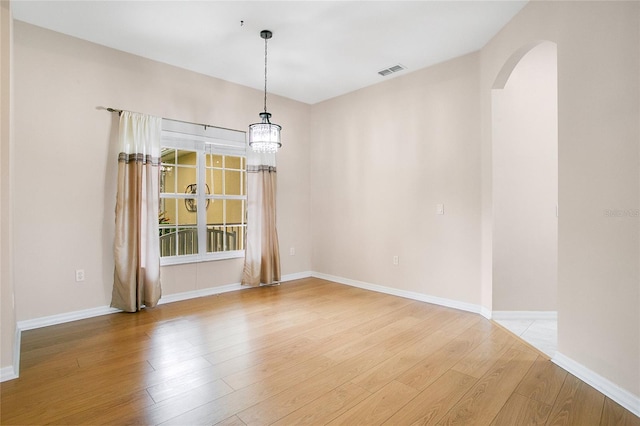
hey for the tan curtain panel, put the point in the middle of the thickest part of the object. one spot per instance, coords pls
(262, 254)
(136, 250)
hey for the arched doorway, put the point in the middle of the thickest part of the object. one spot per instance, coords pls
(525, 194)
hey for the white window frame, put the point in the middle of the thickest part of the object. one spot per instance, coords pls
(203, 140)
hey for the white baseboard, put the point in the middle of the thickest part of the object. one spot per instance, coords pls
(623, 397)
(7, 373)
(296, 276)
(177, 297)
(524, 315)
(449, 303)
(63, 318)
(485, 312)
(12, 372)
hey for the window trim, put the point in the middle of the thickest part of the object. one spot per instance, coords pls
(203, 139)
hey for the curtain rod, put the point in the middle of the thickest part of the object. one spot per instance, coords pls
(120, 111)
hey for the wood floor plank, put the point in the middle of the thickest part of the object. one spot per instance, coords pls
(372, 338)
(381, 321)
(219, 409)
(247, 329)
(55, 399)
(327, 407)
(306, 391)
(185, 383)
(49, 368)
(76, 333)
(542, 382)
(284, 360)
(365, 354)
(305, 352)
(96, 343)
(378, 407)
(109, 352)
(520, 410)
(77, 389)
(106, 412)
(231, 421)
(433, 366)
(214, 348)
(577, 404)
(477, 362)
(398, 364)
(486, 398)
(463, 322)
(430, 405)
(614, 415)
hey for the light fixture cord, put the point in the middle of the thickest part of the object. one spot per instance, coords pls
(265, 74)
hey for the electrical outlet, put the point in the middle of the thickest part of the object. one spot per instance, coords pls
(439, 208)
(79, 275)
(396, 260)
(292, 251)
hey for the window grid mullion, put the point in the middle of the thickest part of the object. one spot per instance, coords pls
(202, 203)
(224, 202)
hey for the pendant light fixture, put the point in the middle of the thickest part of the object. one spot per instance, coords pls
(265, 136)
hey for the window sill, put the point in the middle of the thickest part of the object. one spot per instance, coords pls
(181, 260)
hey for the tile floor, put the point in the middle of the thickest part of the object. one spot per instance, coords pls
(542, 334)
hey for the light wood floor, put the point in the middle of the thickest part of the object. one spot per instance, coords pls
(306, 352)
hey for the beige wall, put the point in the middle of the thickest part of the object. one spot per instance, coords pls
(598, 143)
(525, 185)
(382, 158)
(65, 164)
(8, 318)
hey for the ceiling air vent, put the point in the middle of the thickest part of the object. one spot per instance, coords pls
(391, 70)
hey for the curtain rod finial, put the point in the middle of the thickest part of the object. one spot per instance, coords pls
(119, 111)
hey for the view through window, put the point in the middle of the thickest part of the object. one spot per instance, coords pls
(202, 213)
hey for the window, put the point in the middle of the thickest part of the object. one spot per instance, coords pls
(203, 195)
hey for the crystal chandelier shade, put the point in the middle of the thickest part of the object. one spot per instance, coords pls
(264, 137)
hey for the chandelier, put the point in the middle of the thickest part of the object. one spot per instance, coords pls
(265, 136)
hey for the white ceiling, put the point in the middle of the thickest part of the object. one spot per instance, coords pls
(319, 49)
